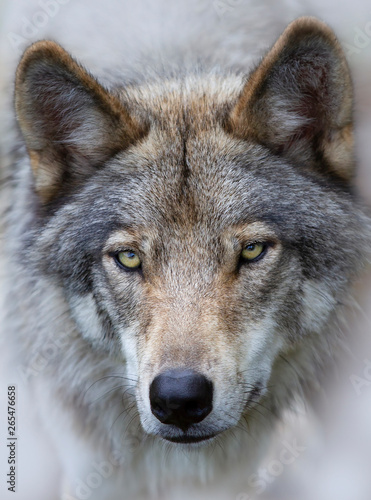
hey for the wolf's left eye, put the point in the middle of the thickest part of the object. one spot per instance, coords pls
(253, 251)
(128, 259)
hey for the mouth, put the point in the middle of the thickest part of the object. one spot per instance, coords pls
(189, 439)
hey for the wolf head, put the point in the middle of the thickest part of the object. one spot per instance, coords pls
(203, 228)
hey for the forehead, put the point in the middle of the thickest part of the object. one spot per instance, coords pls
(197, 179)
(189, 173)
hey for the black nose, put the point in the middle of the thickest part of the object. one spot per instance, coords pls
(181, 397)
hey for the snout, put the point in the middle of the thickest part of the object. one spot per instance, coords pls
(181, 397)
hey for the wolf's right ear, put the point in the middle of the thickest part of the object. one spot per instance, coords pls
(298, 102)
(70, 123)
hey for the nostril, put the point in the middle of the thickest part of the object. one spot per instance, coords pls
(181, 397)
(158, 411)
(194, 408)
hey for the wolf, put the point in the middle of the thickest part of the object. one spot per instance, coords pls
(181, 239)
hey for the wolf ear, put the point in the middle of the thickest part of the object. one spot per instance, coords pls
(298, 102)
(70, 123)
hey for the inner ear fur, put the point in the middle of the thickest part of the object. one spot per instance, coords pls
(71, 124)
(298, 101)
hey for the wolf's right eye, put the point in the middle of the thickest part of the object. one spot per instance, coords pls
(128, 259)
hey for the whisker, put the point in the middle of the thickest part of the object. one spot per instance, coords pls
(122, 377)
(107, 393)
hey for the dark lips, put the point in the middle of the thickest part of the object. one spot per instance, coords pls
(189, 439)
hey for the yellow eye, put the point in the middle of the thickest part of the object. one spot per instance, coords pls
(253, 251)
(128, 259)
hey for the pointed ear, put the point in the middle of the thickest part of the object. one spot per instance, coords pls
(298, 102)
(70, 123)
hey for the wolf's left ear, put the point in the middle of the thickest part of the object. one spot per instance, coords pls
(71, 123)
(298, 101)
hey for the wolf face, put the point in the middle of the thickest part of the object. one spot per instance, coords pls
(203, 229)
